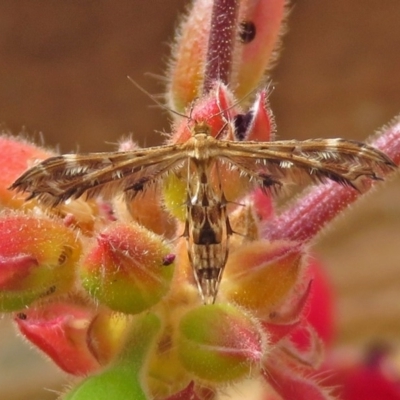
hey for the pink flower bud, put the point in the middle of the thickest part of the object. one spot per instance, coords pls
(208, 109)
(262, 21)
(258, 123)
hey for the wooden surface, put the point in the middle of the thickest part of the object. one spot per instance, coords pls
(63, 68)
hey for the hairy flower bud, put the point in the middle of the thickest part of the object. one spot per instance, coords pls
(16, 156)
(60, 329)
(260, 274)
(128, 268)
(220, 343)
(37, 259)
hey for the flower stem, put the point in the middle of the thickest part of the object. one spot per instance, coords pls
(304, 218)
(221, 42)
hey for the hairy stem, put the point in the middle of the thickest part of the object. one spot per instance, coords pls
(221, 42)
(309, 214)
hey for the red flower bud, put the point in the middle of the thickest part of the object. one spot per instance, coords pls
(37, 259)
(128, 268)
(61, 330)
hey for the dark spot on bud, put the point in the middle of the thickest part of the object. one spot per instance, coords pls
(66, 252)
(22, 316)
(247, 31)
(50, 291)
(108, 210)
(273, 315)
(165, 343)
(168, 259)
(62, 258)
(242, 123)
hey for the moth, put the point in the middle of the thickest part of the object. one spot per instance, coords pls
(267, 165)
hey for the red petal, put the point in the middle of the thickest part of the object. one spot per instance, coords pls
(60, 330)
(292, 386)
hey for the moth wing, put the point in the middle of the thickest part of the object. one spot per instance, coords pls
(271, 164)
(72, 175)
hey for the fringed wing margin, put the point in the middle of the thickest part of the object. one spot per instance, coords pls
(70, 176)
(271, 165)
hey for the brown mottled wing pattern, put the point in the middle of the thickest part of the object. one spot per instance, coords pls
(72, 175)
(266, 164)
(347, 162)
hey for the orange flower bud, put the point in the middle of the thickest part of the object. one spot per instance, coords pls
(187, 68)
(260, 274)
(259, 25)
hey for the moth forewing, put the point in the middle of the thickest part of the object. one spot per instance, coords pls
(72, 175)
(274, 163)
(207, 229)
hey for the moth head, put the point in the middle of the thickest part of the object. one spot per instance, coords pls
(201, 128)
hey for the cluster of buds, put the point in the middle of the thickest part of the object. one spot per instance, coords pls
(105, 288)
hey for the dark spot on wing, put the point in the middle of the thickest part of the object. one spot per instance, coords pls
(207, 234)
(138, 186)
(209, 274)
(204, 201)
(203, 178)
(269, 181)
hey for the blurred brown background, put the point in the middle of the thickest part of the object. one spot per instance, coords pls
(63, 68)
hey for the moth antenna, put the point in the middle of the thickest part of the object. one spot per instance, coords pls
(217, 136)
(190, 118)
(152, 97)
(256, 89)
(270, 88)
(158, 77)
